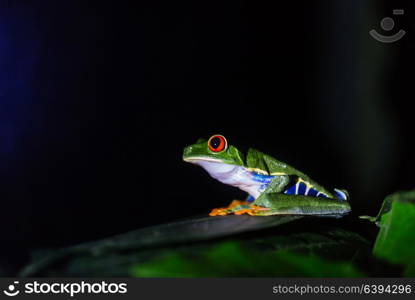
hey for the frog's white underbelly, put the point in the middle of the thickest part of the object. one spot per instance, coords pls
(233, 175)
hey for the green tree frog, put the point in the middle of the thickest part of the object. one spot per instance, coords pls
(274, 187)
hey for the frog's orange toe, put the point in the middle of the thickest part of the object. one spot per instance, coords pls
(223, 211)
(242, 211)
(252, 210)
(218, 212)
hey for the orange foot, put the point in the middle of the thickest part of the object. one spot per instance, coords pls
(251, 211)
(223, 211)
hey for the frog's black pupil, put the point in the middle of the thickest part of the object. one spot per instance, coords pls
(215, 142)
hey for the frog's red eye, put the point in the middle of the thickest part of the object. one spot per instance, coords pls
(217, 143)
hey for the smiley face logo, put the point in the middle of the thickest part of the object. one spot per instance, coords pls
(387, 24)
(11, 290)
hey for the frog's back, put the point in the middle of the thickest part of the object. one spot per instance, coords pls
(271, 166)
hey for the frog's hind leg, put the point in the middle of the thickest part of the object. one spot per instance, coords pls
(282, 204)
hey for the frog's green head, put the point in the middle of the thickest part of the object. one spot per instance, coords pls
(216, 149)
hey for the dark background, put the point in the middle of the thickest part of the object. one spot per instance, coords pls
(98, 99)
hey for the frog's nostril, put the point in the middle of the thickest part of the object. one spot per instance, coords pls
(187, 150)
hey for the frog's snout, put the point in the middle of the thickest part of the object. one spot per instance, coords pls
(186, 152)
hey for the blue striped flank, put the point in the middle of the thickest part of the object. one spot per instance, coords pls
(301, 188)
(290, 190)
(312, 192)
(340, 194)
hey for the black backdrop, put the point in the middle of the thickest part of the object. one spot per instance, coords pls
(98, 99)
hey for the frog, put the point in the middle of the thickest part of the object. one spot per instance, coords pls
(273, 187)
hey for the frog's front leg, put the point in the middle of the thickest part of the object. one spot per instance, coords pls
(282, 204)
(247, 207)
(235, 205)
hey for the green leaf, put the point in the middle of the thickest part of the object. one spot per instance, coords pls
(410, 270)
(232, 259)
(184, 231)
(329, 250)
(403, 196)
(396, 238)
